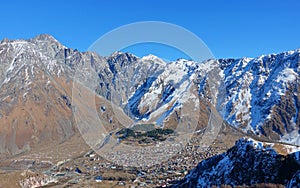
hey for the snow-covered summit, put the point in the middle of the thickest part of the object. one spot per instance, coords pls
(257, 95)
(262, 94)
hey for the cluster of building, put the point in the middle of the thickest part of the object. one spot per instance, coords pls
(120, 168)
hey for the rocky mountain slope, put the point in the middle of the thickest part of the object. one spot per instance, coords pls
(249, 162)
(262, 95)
(35, 97)
(36, 92)
(259, 95)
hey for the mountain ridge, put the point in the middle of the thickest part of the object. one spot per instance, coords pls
(145, 87)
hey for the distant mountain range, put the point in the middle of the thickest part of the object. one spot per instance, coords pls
(259, 96)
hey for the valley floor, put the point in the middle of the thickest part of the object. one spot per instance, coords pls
(74, 164)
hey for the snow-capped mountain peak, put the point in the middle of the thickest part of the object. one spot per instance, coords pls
(257, 95)
(255, 89)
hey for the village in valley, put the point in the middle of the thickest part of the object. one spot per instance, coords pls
(95, 169)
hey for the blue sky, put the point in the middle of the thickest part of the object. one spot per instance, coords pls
(229, 28)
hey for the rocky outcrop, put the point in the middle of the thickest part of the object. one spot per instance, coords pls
(249, 162)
